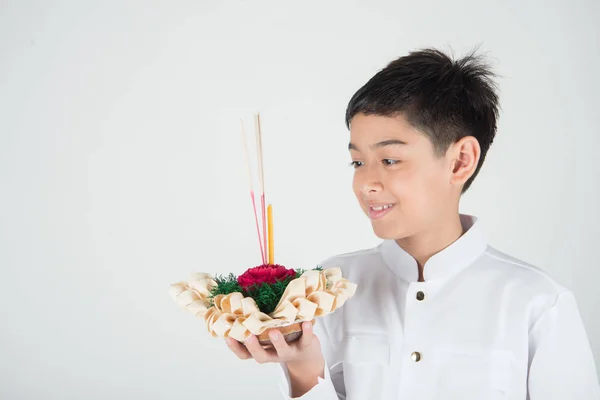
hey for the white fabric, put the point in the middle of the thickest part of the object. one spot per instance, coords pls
(490, 327)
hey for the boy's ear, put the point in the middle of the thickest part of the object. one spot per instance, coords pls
(465, 155)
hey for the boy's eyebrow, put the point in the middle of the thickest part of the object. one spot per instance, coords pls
(389, 142)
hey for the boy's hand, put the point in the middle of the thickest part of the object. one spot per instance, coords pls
(303, 357)
(305, 352)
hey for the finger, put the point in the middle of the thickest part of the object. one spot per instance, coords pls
(238, 349)
(258, 353)
(281, 347)
(307, 335)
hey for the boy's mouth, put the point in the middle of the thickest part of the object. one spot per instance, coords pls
(376, 212)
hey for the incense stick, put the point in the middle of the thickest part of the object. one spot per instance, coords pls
(261, 175)
(260, 242)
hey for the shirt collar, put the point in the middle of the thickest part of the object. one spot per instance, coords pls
(444, 264)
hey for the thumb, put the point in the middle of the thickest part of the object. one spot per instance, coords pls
(307, 334)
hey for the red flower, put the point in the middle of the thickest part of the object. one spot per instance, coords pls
(266, 273)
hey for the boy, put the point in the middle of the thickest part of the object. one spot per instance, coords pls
(438, 313)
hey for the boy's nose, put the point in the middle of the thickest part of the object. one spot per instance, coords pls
(368, 180)
(371, 186)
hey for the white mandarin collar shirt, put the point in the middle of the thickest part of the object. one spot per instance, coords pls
(483, 326)
(462, 253)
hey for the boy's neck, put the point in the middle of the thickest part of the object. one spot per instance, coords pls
(424, 245)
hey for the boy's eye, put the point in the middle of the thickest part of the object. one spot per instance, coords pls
(356, 164)
(387, 161)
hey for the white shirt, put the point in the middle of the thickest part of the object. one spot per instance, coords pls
(483, 326)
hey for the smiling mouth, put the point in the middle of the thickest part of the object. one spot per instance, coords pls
(376, 212)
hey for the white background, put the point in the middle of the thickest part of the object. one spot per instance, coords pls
(121, 168)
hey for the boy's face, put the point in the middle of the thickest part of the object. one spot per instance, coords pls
(401, 184)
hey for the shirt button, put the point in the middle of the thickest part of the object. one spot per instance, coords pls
(416, 356)
(420, 296)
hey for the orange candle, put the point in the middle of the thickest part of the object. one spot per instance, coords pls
(271, 244)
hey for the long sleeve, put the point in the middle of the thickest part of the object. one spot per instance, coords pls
(561, 361)
(332, 386)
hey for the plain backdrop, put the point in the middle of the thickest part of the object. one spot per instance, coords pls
(121, 167)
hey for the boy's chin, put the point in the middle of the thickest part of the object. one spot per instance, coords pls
(389, 233)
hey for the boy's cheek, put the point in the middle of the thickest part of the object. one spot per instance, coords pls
(358, 192)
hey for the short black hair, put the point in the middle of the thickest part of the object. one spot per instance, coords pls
(445, 99)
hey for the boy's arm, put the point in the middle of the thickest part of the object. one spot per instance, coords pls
(561, 365)
(326, 384)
